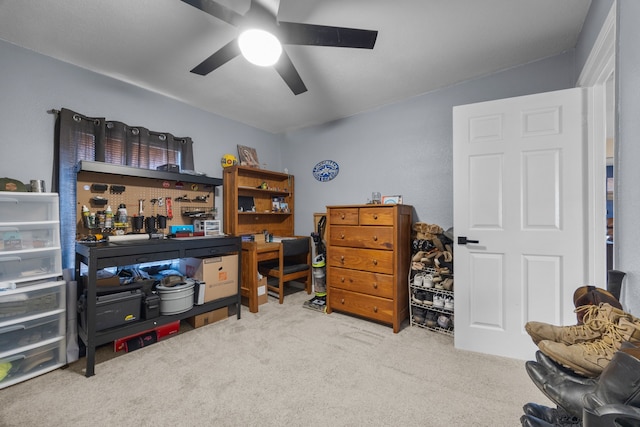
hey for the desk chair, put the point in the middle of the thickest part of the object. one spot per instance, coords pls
(294, 262)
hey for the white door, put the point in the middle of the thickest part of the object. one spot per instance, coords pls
(519, 168)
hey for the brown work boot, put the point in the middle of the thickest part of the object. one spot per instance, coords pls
(595, 318)
(590, 358)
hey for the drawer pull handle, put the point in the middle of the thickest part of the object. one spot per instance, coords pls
(342, 301)
(342, 236)
(11, 258)
(375, 285)
(342, 216)
(375, 216)
(375, 238)
(375, 262)
(342, 279)
(342, 259)
(375, 309)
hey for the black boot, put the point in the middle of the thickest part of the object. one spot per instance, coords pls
(552, 366)
(618, 383)
(560, 387)
(554, 416)
(531, 421)
(612, 415)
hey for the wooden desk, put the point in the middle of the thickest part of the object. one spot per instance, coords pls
(252, 253)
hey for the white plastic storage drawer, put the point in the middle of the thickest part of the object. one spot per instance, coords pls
(31, 330)
(16, 237)
(26, 207)
(29, 264)
(22, 302)
(25, 364)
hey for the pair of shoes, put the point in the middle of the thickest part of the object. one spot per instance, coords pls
(430, 319)
(416, 296)
(438, 301)
(421, 297)
(586, 349)
(418, 315)
(423, 280)
(540, 415)
(448, 304)
(447, 284)
(444, 321)
(618, 384)
(421, 245)
(595, 318)
(590, 358)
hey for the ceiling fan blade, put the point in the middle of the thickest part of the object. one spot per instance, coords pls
(217, 10)
(221, 57)
(323, 35)
(270, 6)
(289, 74)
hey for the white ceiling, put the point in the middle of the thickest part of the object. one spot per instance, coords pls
(422, 45)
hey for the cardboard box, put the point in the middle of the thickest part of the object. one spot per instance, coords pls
(219, 274)
(104, 278)
(262, 291)
(208, 317)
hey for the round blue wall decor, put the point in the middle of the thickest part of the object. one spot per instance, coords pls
(325, 170)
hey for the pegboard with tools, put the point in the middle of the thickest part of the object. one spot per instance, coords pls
(153, 202)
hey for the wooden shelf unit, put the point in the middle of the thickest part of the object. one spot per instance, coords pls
(246, 181)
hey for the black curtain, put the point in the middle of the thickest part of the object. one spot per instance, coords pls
(79, 137)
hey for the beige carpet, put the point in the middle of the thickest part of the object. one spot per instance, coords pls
(286, 365)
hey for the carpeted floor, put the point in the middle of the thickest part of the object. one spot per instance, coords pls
(286, 365)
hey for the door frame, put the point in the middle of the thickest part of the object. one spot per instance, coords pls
(599, 66)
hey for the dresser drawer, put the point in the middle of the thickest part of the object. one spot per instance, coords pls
(362, 237)
(30, 264)
(17, 237)
(373, 260)
(25, 364)
(368, 306)
(31, 330)
(376, 216)
(28, 207)
(377, 284)
(343, 216)
(32, 300)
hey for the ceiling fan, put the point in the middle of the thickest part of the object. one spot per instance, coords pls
(262, 14)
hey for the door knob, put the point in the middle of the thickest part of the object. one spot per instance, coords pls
(462, 240)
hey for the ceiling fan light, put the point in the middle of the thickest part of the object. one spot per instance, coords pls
(260, 47)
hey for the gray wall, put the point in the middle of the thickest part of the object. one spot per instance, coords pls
(31, 84)
(404, 148)
(627, 171)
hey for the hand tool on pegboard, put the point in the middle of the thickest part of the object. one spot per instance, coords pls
(169, 208)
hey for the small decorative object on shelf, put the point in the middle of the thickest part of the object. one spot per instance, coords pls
(431, 279)
(248, 156)
(391, 200)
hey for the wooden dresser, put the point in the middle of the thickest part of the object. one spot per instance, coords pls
(368, 261)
